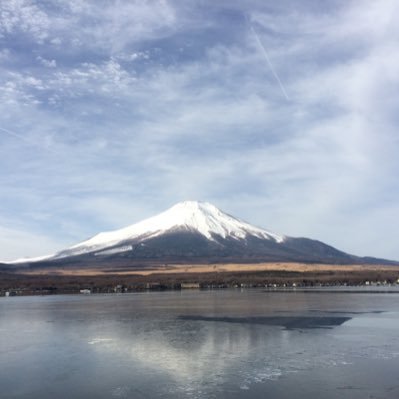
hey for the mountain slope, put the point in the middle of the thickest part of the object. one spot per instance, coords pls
(200, 217)
(198, 232)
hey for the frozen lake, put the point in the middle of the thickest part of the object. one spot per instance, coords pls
(201, 344)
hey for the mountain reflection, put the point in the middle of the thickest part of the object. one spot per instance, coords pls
(289, 322)
(192, 352)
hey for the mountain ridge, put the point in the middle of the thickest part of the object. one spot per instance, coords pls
(200, 232)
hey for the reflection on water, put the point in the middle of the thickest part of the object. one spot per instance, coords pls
(198, 344)
(288, 322)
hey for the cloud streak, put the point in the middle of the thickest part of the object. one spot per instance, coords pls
(27, 141)
(262, 47)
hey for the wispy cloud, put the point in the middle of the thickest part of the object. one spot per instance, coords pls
(113, 111)
(23, 16)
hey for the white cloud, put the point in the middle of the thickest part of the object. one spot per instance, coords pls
(23, 16)
(107, 77)
(47, 63)
(124, 131)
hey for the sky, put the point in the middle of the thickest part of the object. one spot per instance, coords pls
(284, 114)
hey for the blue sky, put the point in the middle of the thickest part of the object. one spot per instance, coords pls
(282, 114)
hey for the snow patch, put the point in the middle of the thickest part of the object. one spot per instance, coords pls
(117, 250)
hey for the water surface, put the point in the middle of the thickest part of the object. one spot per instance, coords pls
(201, 344)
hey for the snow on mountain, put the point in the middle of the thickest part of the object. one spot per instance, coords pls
(201, 217)
(25, 260)
(193, 216)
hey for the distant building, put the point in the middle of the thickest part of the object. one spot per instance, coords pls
(189, 285)
(153, 286)
(118, 289)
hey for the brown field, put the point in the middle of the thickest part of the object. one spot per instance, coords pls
(213, 268)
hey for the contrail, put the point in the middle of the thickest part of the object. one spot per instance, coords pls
(269, 63)
(15, 135)
(9, 132)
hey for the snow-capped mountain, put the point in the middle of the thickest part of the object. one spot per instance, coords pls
(196, 232)
(190, 216)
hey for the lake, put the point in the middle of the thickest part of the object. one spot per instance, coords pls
(325, 343)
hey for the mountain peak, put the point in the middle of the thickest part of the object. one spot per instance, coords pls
(187, 216)
(193, 206)
(195, 216)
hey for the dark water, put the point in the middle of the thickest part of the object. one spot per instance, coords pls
(201, 344)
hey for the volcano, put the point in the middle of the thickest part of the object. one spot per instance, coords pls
(194, 232)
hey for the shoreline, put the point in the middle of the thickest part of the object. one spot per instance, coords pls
(270, 275)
